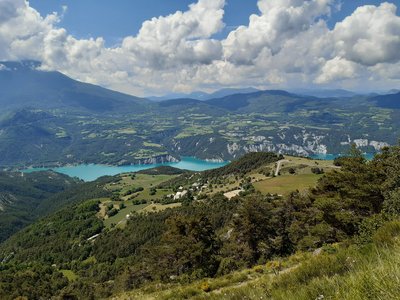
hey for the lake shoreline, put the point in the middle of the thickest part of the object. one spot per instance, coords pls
(75, 164)
(90, 172)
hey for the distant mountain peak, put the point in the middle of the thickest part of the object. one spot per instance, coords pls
(394, 91)
(23, 84)
(325, 93)
(203, 96)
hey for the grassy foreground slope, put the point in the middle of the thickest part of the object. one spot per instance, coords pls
(341, 271)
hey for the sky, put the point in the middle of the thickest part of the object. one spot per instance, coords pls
(113, 20)
(156, 47)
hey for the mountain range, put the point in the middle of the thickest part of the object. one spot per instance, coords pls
(50, 119)
(204, 96)
(320, 93)
(326, 93)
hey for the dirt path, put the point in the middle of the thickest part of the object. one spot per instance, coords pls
(252, 280)
(278, 166)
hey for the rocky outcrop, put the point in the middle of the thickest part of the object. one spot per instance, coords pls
(156, 160)
(378, 145)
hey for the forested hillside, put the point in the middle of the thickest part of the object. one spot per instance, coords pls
(207, 236)
(26, 197)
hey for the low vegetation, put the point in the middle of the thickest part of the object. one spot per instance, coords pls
(353, 272)
(285, 184)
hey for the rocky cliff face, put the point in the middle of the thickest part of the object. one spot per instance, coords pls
(6, 199)
(294, 141)
(157, 160)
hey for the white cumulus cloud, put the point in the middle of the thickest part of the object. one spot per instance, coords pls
(180, 38)
(337, 69)
(279, 21)
(369, 36)
(287, 44)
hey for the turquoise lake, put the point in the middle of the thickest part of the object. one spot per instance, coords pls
(368, 156)
(92, 172)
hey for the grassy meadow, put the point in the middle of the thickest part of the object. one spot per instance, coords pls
(129, 182)
(285, 184)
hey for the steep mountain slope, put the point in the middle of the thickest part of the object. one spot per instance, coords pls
(332, 272)
(23, 85)
(391, 101)
(30, 136)
(26, 197)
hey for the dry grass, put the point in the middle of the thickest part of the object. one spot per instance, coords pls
(348, 274)
(283, 185)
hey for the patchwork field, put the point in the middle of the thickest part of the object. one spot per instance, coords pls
(130, 181)
(133, 193)
(142, 193)
(283, 185)
(295, 173)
